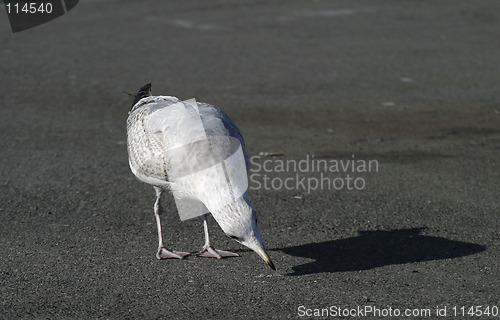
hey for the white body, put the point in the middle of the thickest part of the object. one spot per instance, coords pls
(157, 129)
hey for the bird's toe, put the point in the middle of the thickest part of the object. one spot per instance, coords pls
(164, 253)
(211, 252)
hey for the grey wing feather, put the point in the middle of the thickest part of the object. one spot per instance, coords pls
(149, 127)
(230, 128)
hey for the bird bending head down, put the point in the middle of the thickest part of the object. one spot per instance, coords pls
(239, 221)
(168, 150)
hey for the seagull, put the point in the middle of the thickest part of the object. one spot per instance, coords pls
(157, 132)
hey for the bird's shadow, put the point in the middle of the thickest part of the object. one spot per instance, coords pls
(372, 249)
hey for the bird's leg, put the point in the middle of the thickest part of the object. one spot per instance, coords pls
(209, 251)
(163, 252)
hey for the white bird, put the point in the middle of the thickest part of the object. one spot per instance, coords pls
(156, 130)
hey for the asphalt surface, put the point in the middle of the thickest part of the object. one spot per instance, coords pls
(413, 85)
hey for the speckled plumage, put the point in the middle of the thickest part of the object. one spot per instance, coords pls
(157, 128)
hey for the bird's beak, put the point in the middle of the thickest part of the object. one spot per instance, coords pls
(263, 254)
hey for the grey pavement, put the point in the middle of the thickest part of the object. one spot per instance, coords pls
(412, 86)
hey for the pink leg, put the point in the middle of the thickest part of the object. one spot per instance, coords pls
(210, 252)
(163, 252)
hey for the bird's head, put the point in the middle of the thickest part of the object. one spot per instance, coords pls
(144, 91)
(245, 230)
